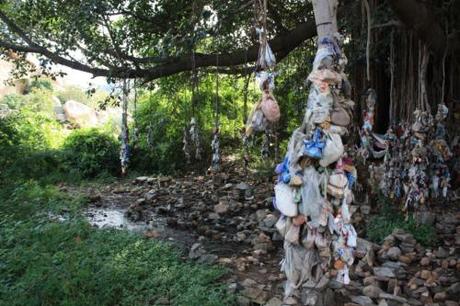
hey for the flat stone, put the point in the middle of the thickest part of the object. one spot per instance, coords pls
(425, 261)
(383, 272)
(274, 301)
(440, 297)
(362, 300)
(221, 208)
(393, 298)
(256, 295)
(425, 274)
(372, 291)
(454, 290)
(441, 252)
(394, 253)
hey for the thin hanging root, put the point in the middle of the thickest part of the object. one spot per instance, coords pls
(368, 44)
(392, 80)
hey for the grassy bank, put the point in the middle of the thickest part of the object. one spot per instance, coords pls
(46, 261)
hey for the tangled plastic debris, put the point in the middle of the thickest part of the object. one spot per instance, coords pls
(314, 181)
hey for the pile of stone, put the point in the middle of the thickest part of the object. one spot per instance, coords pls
(407, 274)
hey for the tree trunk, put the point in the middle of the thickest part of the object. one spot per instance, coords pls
(313, 167)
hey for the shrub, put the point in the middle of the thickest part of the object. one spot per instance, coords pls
(91, 153)
(389, 219)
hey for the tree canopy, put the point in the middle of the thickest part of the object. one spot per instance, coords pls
(148, 39)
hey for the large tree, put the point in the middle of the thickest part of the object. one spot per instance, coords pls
(148, 39)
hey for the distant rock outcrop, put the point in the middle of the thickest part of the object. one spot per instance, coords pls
(80, 114)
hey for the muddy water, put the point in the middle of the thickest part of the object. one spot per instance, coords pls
(115, 218)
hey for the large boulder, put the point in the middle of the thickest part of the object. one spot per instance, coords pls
(80, 114)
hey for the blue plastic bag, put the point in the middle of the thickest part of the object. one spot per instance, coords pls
(314, 147)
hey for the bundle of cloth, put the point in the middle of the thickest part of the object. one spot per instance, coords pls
(315, 180)
(424, 173)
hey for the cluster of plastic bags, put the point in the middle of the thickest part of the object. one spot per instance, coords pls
(190, 140)
(424, 173)
(215, 147)
(372, 144)
(266, 112)
(313, 192)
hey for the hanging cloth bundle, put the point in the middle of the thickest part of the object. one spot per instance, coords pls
(192, 133)
(215, 144)
(125, 150)
(266, 112)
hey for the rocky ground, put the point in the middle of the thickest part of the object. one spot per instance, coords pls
(228, 219)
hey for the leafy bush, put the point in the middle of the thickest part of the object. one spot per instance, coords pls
(389, 218)
(91, 153)
(40, 83)
(13, 101)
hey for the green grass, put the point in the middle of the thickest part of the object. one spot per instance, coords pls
(45, 262)
(389, 218)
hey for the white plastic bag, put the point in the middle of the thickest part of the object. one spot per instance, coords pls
(312, 201)
(333, 149)
(293, 234)
(284, 196)
(283, 224)
(352, 236)
(265, 79)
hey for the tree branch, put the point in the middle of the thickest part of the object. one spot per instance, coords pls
(281, 45)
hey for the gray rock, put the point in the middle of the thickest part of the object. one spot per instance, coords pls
(372, 291)
(270, 220)
(362, 300)
(383, 272)
(196, 251)
(261, 214)
(274, 301)
(242, 186)
(394, 253)
(221, 208)
(255, 294)
(392, 297)
(207, 259)
(441, 252)
(141, 179)
(454, 291)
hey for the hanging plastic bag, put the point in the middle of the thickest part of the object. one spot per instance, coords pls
(295, 150)
(283, 224)
(333, 150)
(343, 276)
(340, 130)
(284, 196)
(340, 117)
(323, 58)
(270, 107)
(256, 121)
(314, 147)
(352, 236)
(293, 234)
(312, 201)
(265, 80)
(266, 56)
(325, 77)
(308, 240)
(337, 184)
(346, 215)
(316, 98)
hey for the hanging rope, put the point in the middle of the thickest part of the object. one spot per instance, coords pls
(368, 43)
(392, 77)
